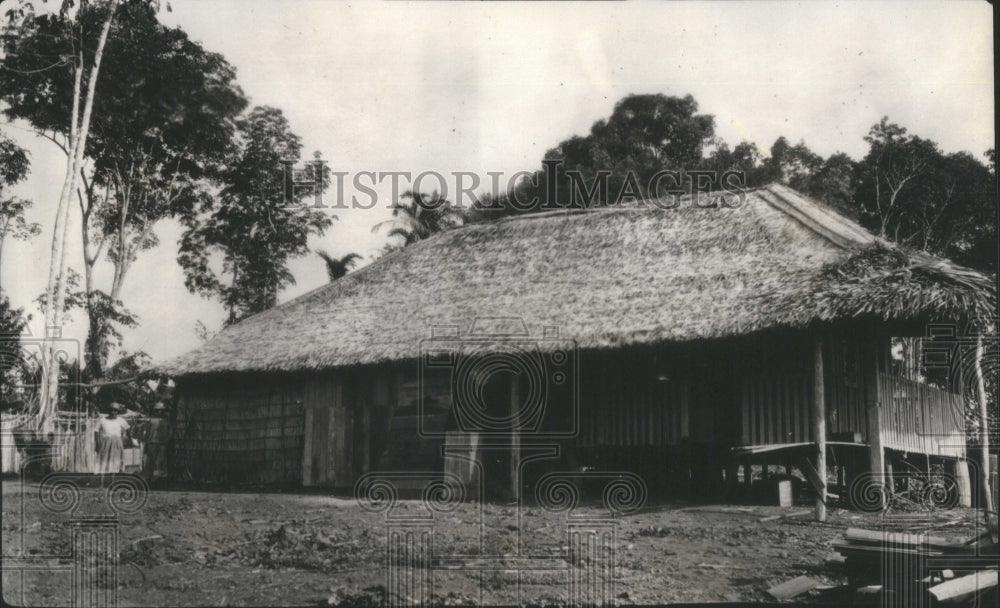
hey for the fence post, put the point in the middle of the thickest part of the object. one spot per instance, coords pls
(876, 453)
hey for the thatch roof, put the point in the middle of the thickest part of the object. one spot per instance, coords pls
(606, 278)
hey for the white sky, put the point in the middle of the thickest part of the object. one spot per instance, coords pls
(490, 87)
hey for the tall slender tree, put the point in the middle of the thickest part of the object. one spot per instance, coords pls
(162, 121)
(84, 62)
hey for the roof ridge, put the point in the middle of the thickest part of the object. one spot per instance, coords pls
(641, 204)
(827, 223)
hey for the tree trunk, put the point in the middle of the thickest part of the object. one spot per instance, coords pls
(95, 341)
(56, 289)
(49, 389)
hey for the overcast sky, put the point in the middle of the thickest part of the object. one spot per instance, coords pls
(490, 87)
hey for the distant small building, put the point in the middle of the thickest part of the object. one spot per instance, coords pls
(674, 343)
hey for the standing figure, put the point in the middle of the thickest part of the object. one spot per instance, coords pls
(154, 453)
(110, 440)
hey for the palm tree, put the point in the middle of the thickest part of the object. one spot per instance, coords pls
(423, 216)
(338, 267)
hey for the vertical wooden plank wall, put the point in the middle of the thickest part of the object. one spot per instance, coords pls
(624, 401)
(920, 418)
(329, 403)
(775, 409)
(775, 397)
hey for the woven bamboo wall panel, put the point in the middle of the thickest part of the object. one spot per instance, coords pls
(246, 434)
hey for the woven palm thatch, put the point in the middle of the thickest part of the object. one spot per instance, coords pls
(606, 278)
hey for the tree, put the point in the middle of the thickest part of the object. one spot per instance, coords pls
(830, 180)
(13, 168)
(338, 267)
(953, 208)
(161, 127)
(12, 323)
(745, 158)
(249, 224)
(423, 216)
(911, 192)
(85, 58)
(834, 183)
(793, 165)
(889, 172)
(645, 134)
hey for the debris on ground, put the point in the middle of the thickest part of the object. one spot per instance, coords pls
(793, 588)
(969, 587)
(784, 515)
(295, 546)
(270, 548)
(918, 567)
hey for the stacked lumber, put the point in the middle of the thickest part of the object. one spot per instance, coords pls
(901, 569)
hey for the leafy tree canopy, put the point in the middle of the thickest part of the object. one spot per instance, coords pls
(249, 224)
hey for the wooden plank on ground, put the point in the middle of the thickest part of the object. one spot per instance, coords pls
(870, 595)
(783, 515)
(877, 552)
(961, 589)
(899, 538)
(792, 588)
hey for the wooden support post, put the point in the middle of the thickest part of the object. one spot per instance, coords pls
(964, 483)
(984, 443)
(764, 473)
(819, 425)
(335, 453)
(747, 473)
(959, 469)
(515, 438)
(307, 444)
(876, 453)
(732, 472)
(367, 401)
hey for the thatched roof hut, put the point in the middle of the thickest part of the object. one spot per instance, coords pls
(607, 277)
(697, 326)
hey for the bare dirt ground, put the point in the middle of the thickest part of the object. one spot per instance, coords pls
(266, 549)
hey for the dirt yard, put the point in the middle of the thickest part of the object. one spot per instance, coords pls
(264, 549)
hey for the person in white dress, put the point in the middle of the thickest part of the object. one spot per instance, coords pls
(111, 431)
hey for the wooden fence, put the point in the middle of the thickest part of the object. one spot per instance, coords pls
(73, 448)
